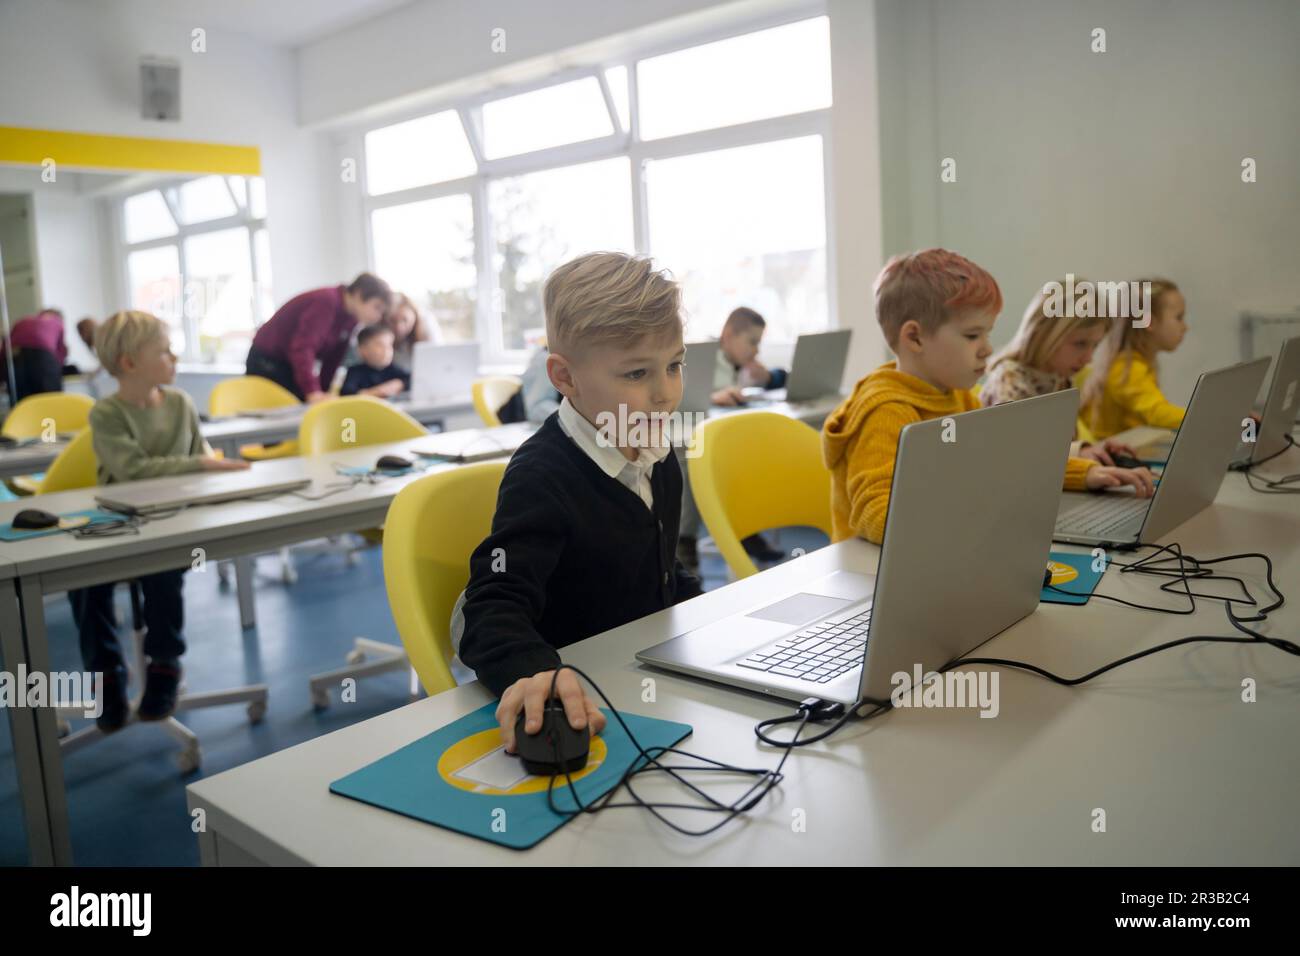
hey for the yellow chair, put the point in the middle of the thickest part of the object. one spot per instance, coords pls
(433, 526)
(76, 466)
(337, 424)
(754, 471)
(491, 393)
(232, 396)
(34, 416)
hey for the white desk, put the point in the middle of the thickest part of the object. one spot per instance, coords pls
(56, 563)
(228, 434)
(1187, 773)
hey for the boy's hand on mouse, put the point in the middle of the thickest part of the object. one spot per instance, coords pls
(1101, 477)
(730, 395)
(529, 695)
(223, 464)
(756, 373)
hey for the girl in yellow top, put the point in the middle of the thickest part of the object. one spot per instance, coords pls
(1045, 355)
(1122, 392)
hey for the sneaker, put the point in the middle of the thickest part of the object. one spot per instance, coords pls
(161, 686)
(115, 707)
(757, 547)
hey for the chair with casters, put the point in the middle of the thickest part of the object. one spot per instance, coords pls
(434, 524)
(44, 416)
(757, 470)
(491, 393)
(334, 425)
(76, 468)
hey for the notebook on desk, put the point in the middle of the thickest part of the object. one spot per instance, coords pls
(464, 447)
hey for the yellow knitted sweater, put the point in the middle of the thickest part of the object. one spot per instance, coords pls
(1132, 397)
(860, 440)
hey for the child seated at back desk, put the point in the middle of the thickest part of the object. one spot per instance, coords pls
(585, 529)
(936, 310)
(145, 430)
(1121, 391)
(375, 374)
(738, 364)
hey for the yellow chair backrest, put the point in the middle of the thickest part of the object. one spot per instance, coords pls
(433, 526)
(337, 424)
(490, 394)
(231, 396)
(757, 470)
(68, 411)
(76, 466)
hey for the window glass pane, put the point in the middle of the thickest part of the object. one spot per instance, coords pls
(744, 226)
(239, 186)
(426, 249)
(616, 79)
(257, 197)
(431, 149)
(146, 217)
(262, 252)
(155, 278)
(201, 200)
(566, 113)
(774, 72)
(219, 293)
(540, 221)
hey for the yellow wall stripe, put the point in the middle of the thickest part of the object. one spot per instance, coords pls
(32, 147)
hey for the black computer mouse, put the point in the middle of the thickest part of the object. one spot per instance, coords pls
(1124, 461)
(393, 463)
(33, 519)
(555, 748)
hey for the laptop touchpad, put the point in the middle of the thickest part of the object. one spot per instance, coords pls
(798, 608)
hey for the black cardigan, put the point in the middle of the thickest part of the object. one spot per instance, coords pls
(573, 552)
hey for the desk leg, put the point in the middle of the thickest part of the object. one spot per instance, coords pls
(47, 730)
(22, 726)
(244, 573)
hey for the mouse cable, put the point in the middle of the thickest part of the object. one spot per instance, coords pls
(649, 761)
(1273, 486)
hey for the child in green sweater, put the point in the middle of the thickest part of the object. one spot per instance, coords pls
(145, 430)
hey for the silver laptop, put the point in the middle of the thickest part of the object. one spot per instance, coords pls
(202, 489)
(280, 411)
(443, 372)
(701, 361)
(967, 536)
(816, 371)
(476, 444)
(1281, 408)
(1198, 462)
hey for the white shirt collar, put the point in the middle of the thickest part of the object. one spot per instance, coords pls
(610, 460)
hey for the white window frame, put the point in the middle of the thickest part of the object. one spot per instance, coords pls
(243, 218)
(622, 143)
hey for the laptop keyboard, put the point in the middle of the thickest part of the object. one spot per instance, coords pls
(1101, 516)
(817, 654)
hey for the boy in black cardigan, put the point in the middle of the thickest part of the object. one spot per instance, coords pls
(584, 537)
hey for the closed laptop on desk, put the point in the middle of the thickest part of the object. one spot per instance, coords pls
(135, 499)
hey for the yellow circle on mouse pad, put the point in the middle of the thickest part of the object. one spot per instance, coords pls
(1061, 573)
(77, 521)
(455, 766)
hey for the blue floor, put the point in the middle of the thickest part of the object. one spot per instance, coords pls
(126, 797)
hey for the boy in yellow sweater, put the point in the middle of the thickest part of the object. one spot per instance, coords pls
(936, 309)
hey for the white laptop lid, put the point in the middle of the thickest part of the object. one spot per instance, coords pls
(441, 372)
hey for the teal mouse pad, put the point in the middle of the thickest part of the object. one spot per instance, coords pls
(459, 778)
(1072, 577)
(93, 515)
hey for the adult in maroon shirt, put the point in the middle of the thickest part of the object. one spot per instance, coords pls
(40, 354)
(313, 326)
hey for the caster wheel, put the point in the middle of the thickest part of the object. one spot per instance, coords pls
(320, 699)
(64, 728)
(356, 656)
(256, 711)
(189, 759)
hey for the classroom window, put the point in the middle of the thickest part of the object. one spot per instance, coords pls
(564, 113)
(426, 250)
(774, 72)
(431, 149)
(543, 219)
(197, 255)
(744, 226)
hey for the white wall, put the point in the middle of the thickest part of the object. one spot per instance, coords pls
(75, 66)
(1109, 165)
